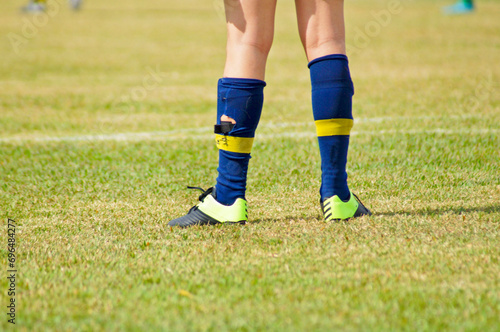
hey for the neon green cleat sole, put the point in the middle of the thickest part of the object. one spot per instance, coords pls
(334, 209)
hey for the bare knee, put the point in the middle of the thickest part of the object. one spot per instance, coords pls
(250, 24)
(250, 30)
(254, 37)
(321, 26)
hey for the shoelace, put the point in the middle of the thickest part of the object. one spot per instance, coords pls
(359, 201)
(204, 194)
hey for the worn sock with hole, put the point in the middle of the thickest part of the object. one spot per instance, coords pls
(240, 99)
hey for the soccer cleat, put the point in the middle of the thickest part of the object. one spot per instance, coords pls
(211, 212)
(335, 209)
(461, 7)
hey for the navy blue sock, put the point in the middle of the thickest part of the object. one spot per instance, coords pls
(332, 92)
(240, 99)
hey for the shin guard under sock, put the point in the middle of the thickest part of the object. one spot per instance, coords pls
(332, 92)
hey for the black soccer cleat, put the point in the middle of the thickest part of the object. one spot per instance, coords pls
(211, 212)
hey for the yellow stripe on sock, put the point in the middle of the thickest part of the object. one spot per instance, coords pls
(333, 127)
(234, 144)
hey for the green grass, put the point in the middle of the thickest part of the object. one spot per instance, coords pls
(93, 165)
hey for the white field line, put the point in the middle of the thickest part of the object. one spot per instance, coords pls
(167, 136)
(385, 132)
(206, 132)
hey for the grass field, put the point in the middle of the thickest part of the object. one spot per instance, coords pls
(106, 117)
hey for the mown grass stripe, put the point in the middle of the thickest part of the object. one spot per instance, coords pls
(168, 136)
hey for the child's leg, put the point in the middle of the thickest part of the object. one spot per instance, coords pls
(250, 29)
(321, 28)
